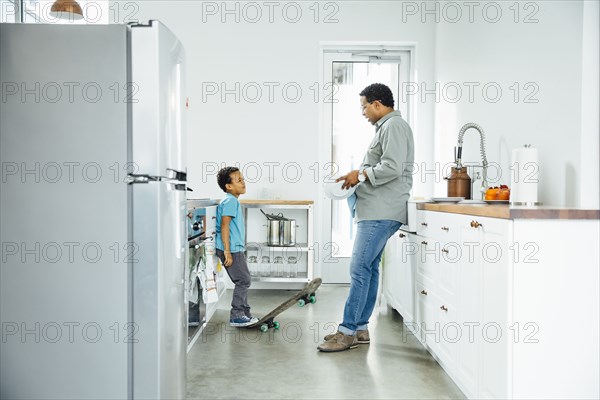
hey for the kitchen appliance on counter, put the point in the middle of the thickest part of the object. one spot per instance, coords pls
(94, 207)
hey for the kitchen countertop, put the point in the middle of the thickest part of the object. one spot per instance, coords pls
(505, 211)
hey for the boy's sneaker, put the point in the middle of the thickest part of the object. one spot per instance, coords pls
(242, 321)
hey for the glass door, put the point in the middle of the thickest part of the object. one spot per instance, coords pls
(348, 135)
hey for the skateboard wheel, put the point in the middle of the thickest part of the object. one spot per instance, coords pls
(301, 303)
(312, 299)
(264, 328)
(276, 325)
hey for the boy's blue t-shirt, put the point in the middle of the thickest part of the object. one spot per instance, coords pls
(231, 207)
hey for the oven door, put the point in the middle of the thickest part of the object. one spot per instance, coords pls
(196, 306)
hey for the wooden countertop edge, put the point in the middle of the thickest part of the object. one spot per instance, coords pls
(507, 212)
(279, 202)
(521, 213)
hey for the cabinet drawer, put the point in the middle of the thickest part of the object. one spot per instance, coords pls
(447, 271)
(424, 319)
(437, 225)
(450, 331)
(425, 260)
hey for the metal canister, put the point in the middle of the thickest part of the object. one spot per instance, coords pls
(287, 232)
(459, 183)
(273, 232)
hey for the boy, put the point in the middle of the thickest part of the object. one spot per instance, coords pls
(230, 244)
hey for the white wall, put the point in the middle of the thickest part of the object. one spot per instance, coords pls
(548, 54)
(590, 120)
(260, 54)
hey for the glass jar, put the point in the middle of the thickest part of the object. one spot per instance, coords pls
(265, 266)
(278, 267)
(253, 265)
(292, 267)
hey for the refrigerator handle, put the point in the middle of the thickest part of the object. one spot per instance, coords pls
(177, 175)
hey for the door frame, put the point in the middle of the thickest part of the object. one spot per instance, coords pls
(323, 213)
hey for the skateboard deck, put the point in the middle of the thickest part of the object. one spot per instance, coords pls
(306, 295)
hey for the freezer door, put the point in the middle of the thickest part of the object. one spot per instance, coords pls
(158, 102)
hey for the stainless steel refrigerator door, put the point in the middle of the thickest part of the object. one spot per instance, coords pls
(159, 235)
(158, 101)
(159, 218)
(64, 212)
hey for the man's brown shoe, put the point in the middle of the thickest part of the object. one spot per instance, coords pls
(338, 342)
(362, 337)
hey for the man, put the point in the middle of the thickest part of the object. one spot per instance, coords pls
(386, 180)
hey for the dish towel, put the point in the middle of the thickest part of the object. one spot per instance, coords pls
(352, 204)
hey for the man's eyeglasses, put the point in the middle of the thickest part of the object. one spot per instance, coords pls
(363, 107)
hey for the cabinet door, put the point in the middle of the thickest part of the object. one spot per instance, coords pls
(391, 273)
(424, 321)
(446, 270)
(495, 237)
(426, 261)
(408, 252)
(469, 303)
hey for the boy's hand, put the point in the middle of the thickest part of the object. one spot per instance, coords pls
(228, 259)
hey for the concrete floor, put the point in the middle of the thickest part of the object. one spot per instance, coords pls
(230, 363)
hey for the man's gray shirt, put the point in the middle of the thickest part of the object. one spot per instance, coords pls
(389, 166)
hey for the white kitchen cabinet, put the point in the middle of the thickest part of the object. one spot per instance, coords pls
(463, 271)
(256, 240)
(398, 275)
(491, 297)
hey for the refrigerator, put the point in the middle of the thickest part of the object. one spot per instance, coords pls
(92, 212)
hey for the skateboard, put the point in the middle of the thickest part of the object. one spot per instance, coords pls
(306, 295)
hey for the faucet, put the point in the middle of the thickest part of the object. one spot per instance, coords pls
(458, 150)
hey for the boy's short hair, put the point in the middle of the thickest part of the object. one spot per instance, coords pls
(224, 176)
(378, 91)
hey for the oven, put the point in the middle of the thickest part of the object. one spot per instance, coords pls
(199, 232)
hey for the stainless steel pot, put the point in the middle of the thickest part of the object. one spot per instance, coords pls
(287, 231)
(273, 232)
(281, 231)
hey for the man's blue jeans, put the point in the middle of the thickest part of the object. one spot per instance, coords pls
(371, 238)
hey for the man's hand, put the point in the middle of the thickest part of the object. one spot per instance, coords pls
(228, 259)
(350, 179)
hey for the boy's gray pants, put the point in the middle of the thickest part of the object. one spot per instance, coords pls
(240, 275)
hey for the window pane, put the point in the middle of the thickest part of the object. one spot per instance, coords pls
(352, 133)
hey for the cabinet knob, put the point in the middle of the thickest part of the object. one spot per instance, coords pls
(423, 223)
(445, 251)
(444, 308)
(445, 228)
(475, 224)
(402, 235)
(424, 292)
(424, 242)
